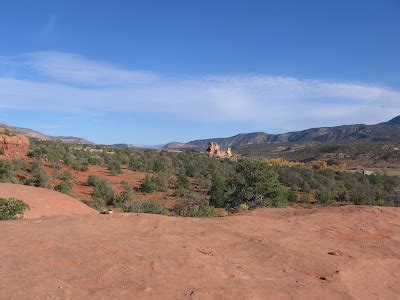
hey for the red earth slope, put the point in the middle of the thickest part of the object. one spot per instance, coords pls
(44, 202)
(324, 253)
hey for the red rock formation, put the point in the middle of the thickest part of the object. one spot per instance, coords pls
(214, 150)
(13, 146)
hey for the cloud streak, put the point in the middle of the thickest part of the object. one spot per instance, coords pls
(69, 82)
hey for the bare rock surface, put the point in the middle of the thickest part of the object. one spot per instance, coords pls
(214, 150)
(44, 202)
(15, 146)
(325, 253)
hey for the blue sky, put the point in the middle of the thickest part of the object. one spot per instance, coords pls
(149, 72)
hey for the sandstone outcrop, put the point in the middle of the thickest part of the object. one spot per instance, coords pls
(214, 150)
(13, 145)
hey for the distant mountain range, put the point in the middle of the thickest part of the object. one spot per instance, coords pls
(43, 137)
(121, 146)
(386, 131)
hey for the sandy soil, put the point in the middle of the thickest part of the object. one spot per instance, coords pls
(44, 202)
(325, 253)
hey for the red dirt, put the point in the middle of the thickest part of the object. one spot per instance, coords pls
(44, 202)
(133, 178)
(343, 253)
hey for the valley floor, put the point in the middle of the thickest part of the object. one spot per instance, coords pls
(345, 253)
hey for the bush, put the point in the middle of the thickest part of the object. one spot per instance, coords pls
(125, 197)
(97, 203)
(96, 160)
(161, 182)
(158, 166)
(292, 196)
(194, 205)
(6, 171)
(324, 196)
(148, 185)
(39, 178)
(19, 165)
(64, 187)
(103, 191)
(65, 176)
(205, 183)
(114, 167)
(253, 182)
(12, 209)
(217, 190)
(80, 166)
(280, 200)
(93, 180)
(8, 132)
(182, 181)
(1, 151)
(152, 206)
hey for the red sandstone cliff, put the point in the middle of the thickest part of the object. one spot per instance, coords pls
(13, 146)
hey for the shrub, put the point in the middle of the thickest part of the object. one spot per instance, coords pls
(102, 190)
(158, 166)
(136, 165)
(324, 196)
(125, 197)
(161, 181)
(278, 201)
(96, 160)
(217, 190)
(114, 167)
(205, 184)
(253, 182)
(65, 176)
(64, 187)
(152, 206)
(39, 178)
(148, 185)
(12, 209)
(319, 164)
(344, 196)
(93, 180)
(69, 159)
(304, 198)
(292, 196)
(182, 181)
(8, 132)
(6, 171)
(80, 166)
(181, 192)
(19, 165)
(194, 205)
(1, 151)
(97, 203)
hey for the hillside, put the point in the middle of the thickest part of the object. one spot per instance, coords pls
(386, 131)
(30, 133)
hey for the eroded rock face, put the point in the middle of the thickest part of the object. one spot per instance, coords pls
(214, 150)
(13, 145)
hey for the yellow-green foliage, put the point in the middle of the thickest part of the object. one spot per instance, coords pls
(281, 162)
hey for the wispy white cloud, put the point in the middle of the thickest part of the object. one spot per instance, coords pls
(70, 82)
(75, 69)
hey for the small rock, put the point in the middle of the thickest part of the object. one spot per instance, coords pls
(106, 211)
